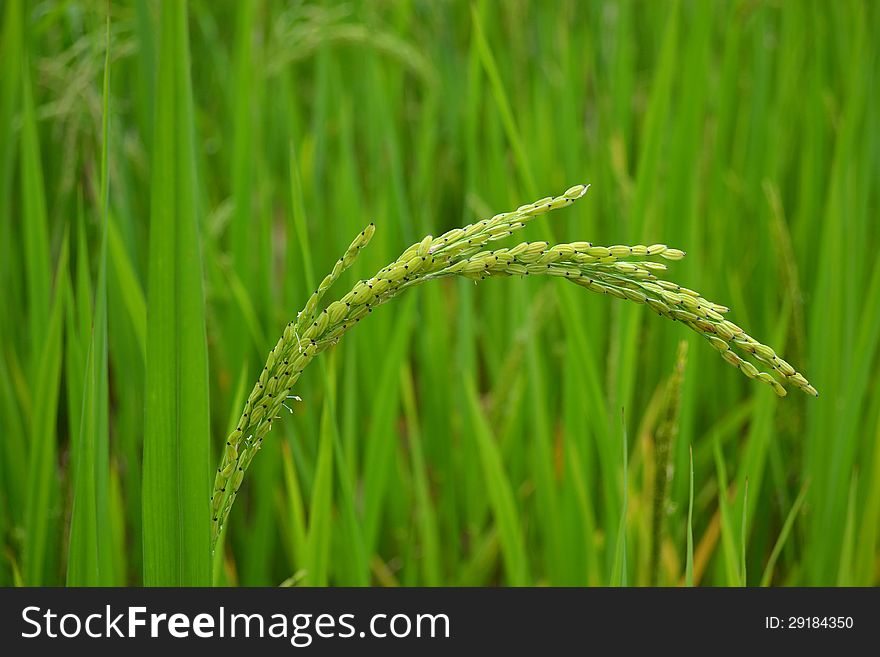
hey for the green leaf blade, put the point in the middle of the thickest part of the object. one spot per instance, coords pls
(176, 476)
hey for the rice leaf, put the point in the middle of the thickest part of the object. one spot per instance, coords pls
(41, 509)
(90, 554)
(767, 577)
(618, 571)
(499, 490)
(176, 470)
(689, 564)
(132, 292)
(320, 511)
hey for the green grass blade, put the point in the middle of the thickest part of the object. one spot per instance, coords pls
(119, 556)
(425, 512)
(689, 564)
(845, 568)
(132, 292)
(381, 436)
(11, 49)
(547, 494)
(245, 229)
(358, 567)
(90, 551)
(728, 538)
(176, 470)
(42, 513)
(501, 499)
(513, 135)
(244, 308)
(742, 534)
(618, 571)
(35, 224)
(14, 466)
(44, 312)
(298, 218)
(317, 565)
(767, 577)
(296, 512)
(868, 531)
(14, 452)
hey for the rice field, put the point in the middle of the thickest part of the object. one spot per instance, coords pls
(180, 185)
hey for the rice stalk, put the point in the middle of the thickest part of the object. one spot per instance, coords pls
(625, 272)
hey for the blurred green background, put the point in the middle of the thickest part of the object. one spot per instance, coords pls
(473, 434)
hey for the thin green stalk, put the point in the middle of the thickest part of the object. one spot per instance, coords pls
(767, 577)
(689, 563)
(618, 570)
